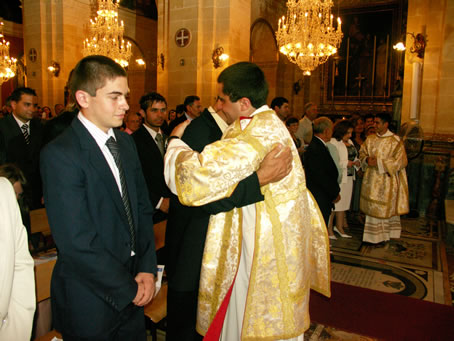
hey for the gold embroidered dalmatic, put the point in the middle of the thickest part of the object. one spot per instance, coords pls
(291, 250)
(384, 195)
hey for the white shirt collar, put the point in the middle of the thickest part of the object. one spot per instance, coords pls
(152, 132)
(219, 121)
(20, 123)
(100, 136)
(187, 116)
(388, 133)
(320, 139)
(245, 122)
(261, 109)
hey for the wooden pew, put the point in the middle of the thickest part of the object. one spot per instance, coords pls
(38, 222)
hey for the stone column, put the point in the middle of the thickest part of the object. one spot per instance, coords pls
(55, 31)
(189, 70)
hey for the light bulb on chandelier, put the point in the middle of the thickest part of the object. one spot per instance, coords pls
(307, 36)
(106, 34)
(7, 64)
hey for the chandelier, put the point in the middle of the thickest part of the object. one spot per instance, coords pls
(106, 34)
(7, 64)
(307, 36)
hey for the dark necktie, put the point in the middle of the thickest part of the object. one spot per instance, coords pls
(114, 150)
(24, 128)
(160, 143)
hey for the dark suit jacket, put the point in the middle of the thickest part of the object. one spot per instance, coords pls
(26, 157)
(93, 280)
(176, 122)
(321, 176)
(187, 226)
(153, 169)
(57, 125)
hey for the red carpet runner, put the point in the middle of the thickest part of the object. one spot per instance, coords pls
(381, 315)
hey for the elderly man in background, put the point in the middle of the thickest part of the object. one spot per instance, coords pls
(321, 171)
(305, 128)
(132, 121)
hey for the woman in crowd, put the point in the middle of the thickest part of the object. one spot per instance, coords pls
(358, 135)
(292, 124)
(47, 113)
(172, 115)
(335, 155)
(347, 161)
(358, 138)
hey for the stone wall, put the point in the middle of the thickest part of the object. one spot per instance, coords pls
(56, 31)
(435, 18)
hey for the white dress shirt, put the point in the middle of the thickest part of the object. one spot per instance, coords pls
(101, 139)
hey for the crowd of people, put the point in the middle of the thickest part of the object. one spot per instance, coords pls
(243, 186)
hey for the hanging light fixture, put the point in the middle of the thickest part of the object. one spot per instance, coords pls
(7, 64)
(106, 34)
(307, 36)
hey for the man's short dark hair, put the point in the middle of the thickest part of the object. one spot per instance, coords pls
(372, 116)
(148, 99)
(384, 117)
(291, 120)
(180, 109)
(244, 79)
(92, 73)
(341, 128)
(189, 100)
(278, 101)
(17, 94)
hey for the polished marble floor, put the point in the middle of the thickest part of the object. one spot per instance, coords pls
(411, 266)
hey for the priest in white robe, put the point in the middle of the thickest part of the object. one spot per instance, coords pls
(261, 260)
(384, 193)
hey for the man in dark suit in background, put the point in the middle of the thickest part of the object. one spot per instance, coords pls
(99, 213)
(187, 226)
(193, 109)
(321, 171)
(150, 144)
(21, 138)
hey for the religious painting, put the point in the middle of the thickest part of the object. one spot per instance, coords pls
(364, 67)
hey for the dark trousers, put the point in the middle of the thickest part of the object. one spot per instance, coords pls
(130, 327)
(182, 316)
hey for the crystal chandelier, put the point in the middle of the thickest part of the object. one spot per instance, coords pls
(7, 64)
(106, 34)
(307, 36)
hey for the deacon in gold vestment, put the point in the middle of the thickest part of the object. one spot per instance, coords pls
(384, 193)
(262, 259)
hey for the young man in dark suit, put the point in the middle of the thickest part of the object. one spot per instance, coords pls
(187, 226)
(150, 144)
(99, 213)
(321, 171)
(21, 138)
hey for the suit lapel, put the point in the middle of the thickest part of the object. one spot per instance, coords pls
(328, 156)
(149, 141)
(15, 131)
(127, 162)
(215, 131)
(97, 160)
